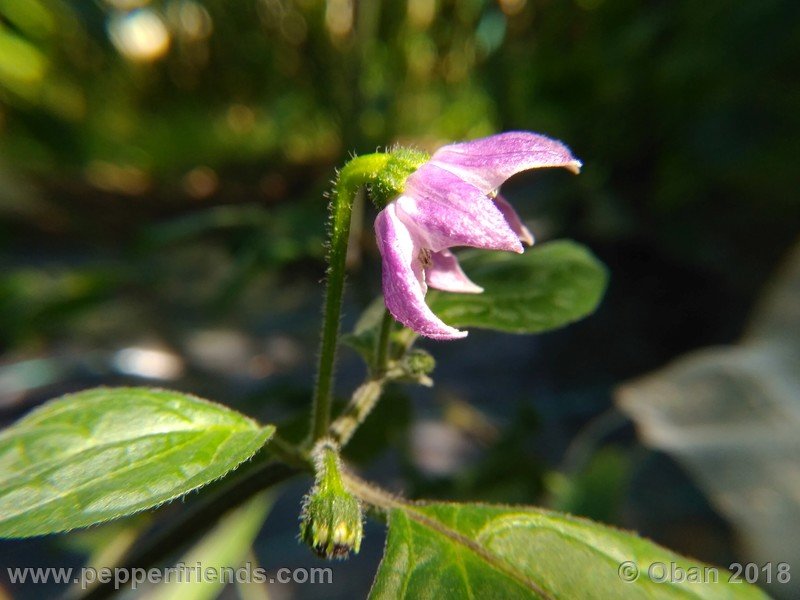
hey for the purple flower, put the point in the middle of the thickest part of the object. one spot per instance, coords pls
(451, 200)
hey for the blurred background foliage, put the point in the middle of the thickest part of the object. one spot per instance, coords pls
(162, 166)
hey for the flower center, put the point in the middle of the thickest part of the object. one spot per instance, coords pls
(425, 258)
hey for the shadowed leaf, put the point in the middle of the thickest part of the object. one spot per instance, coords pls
(547, 287)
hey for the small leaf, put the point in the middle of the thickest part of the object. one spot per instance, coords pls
(483, 551)
(547, 287)
(364, 336)
(105, 453)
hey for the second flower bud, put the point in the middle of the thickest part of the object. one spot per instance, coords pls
(331, 520)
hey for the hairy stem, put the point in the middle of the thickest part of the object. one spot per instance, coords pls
(355, 174)
(371, 493)
(364, 400)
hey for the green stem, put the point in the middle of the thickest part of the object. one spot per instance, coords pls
(358, 172)
(382, 349)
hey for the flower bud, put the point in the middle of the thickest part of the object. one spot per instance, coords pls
(419, 362)
(331, 520)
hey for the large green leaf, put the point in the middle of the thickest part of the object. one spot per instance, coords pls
(105, 453)
(547, 287)
(480, 551)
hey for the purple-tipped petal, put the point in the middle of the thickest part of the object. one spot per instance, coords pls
(488, 162)
(403, 279)
(444, 273)
(443, 210)
(513, 220)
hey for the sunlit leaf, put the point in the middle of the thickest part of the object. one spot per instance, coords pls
(482, 551)
(104, 453)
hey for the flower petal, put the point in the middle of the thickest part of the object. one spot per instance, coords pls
(444, 273)
(403, 280)
(488, 162)
(513, 220)
(443, 211)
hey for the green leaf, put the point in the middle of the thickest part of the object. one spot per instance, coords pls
(105, 453)
(364, 336)
(549, 286)
(483, 551)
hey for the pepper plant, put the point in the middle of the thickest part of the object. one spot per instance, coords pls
(107, 453)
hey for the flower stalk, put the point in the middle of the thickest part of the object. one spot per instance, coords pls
(357, 173)
(363, 401)
(383, 343)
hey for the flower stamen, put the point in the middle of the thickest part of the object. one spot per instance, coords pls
(425, 258)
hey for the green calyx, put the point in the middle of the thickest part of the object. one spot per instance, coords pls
(331, 521)
(391, 179)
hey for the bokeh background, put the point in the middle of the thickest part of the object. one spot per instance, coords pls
(162, 170)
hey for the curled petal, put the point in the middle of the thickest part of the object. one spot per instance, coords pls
(444, 273)
(513, 220)
(443, 211)
(403, 279)
(488, 162)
